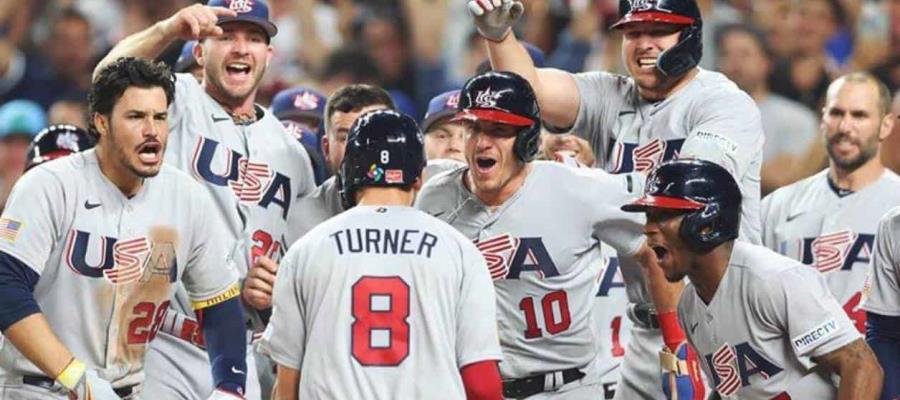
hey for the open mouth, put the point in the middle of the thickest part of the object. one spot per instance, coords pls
(485, 164)
(238, 69)
(149, 152)
(646, 62)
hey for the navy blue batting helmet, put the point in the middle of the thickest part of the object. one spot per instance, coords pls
(57, 141)
(506, 98)
(705, 191)
(384, 148)
(685, 55)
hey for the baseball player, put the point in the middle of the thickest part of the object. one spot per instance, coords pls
(91, 246)
(187, 63)
(342, 109)
(443, 137)
(302, 112)
(406, 313)
(55, 141)
(666, 107)
(545, 258)
(242, 154)
(881, 301)
(764, 325)
(829, 220)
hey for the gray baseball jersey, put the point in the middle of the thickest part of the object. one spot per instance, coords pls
(323, 203)
(882, 287)
(770, 316)
(543, 250)
(382, 303)
(108, 263)
(832, 230)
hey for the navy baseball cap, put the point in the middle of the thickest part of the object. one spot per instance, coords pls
(186, 59)
(253, 11)
(441, 106)
(299, 102)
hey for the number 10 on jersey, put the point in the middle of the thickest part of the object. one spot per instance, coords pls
(380, 332)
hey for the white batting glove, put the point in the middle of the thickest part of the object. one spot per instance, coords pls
(495, 18)
(89, 386)
(220, 394)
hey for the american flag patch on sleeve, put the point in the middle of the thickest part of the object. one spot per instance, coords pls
(9, 229)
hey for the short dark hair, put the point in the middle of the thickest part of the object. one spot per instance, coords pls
(354, 98)
(755, 33)
(121, 74)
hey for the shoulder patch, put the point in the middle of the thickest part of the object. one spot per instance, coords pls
(815, 335)
(718, 140)
(9, 229)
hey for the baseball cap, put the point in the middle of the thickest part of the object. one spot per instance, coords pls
(21, 117)
(253, 11)
(299, 102)
(186, 59)
(441, 106)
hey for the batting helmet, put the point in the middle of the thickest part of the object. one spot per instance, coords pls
(57, 141)
(505, 98)
(384, 148)
(685, 55)
(705, 191)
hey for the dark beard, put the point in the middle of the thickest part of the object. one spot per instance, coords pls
(865, 154)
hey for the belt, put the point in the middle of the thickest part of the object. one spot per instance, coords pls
(643, 315)
(532, 385)
(183, 327)
(49, 384)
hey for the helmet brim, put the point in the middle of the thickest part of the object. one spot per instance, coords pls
(652, 16)
(662, 202)
(492, 115)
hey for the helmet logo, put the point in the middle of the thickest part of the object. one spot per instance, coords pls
(67, 140)
(375, 173)
(306, 101)
(453, 100)
(393, 176)
(241, 6)
(646, 5)
(487, 98)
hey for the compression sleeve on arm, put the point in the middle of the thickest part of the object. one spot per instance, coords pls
(226, 343)
(17, 282)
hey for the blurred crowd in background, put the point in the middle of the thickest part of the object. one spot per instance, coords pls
(782, 52)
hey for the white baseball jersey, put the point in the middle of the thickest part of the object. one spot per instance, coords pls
(881, 293)
(770, 316)
(611, 321)
(832, 230)
(107, 263)
(316, 207)
(543, 250)
(382, 303)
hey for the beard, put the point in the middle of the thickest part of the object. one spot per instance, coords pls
(867, 151)
(122, 158)
(214, 78)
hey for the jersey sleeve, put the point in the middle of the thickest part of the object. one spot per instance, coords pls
(476, 315)
(726, 130)
(624, 231)
(882, 288)
(284, 337)
(602, 95)
(32, 221)
(186, 87)
(210, 277)
(770, 217)
(801, 304)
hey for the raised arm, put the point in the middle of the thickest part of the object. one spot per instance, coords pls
(554, 88)
(192, 22)
(861, 376)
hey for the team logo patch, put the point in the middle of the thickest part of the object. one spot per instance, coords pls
(130, 257)
(498, 252)
(645, 5)
(241, 6)
(393, 176)
(724, 365)
(815, 335)
(452, 101)
(253, 179)
(830, 251)
(68, 141)
(9, 229)
(306, 101)
(376, 174)
(648, 156)
(487, 98)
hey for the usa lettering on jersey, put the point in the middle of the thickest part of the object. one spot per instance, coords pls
(733, 366)
(512, 256)
(630, 157)
(843, 247)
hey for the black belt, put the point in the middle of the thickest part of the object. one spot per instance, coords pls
(644, 315)
(47, 383)
(532, 385)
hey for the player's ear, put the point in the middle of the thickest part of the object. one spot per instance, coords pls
(325, 144)
(887, 125)
(101, 124)
(198, 53)
(417, 185)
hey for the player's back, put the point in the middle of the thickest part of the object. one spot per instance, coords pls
(391, 304)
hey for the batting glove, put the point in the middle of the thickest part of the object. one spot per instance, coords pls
(495, 18)
(220, 394)
(84, 384)
(681, 373)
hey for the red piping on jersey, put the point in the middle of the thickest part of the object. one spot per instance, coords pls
(667, 202)
(653, 16)
(486, 114)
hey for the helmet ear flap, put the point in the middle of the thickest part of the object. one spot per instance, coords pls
(686, 54)
(528, 142)
(698, 229)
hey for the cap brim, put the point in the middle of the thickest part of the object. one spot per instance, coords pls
(503, 117)
(653, 16)
(267, 26)
(664, 202)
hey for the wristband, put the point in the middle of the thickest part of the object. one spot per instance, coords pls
(71, 375)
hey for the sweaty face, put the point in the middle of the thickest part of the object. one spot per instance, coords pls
(642, 43)
(661, 230)
(335, 142)
(852, 123)
(234, 62)
(489, 153)
(138, 129)
(445, 140)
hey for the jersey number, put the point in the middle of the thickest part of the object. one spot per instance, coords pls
(552, 325)
(857, 314)
(263, 245)
(380, 335)
(616, 327)
(147, 317)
